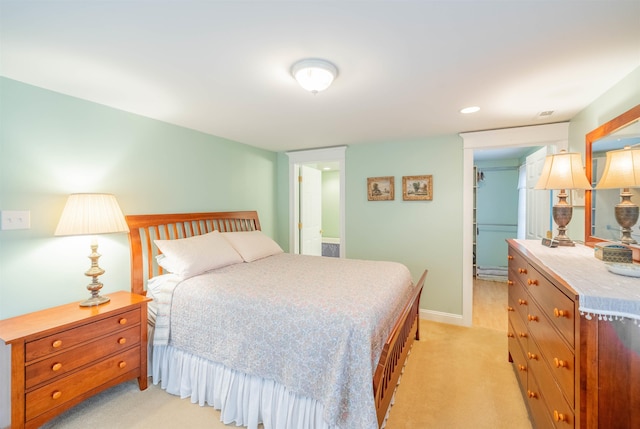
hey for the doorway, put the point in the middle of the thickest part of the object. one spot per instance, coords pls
(304, 213)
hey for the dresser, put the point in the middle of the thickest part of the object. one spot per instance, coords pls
(63, 355)
(575, 348)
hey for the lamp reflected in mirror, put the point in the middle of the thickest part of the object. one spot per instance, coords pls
(563, 171)
(622, 170)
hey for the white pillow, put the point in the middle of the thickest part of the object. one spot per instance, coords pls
(188, 257)
(252, 245)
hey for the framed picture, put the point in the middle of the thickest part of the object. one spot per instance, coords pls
(380, 188)
(417, 188)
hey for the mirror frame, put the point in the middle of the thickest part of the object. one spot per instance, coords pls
(603, 130)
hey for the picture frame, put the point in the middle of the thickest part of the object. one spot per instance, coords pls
(380, 188)
(417, 188)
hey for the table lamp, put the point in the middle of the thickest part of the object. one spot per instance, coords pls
(622, 170)
(86, 214)
(562, 171)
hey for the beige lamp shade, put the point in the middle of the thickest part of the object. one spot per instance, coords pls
(563, 170)
(91, 214)
(622, 169)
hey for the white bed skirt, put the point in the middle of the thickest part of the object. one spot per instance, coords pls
(244, 399)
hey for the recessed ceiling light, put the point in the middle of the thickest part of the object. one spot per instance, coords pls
(471, 109)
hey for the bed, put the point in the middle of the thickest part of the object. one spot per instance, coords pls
(316, 362)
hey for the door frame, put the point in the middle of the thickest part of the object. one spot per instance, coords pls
(536, 135)
(296, 158)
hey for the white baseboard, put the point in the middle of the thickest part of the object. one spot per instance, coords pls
(438, 316)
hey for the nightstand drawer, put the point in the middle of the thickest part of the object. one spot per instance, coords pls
(60, 364)
(65, 389)
(72, 337)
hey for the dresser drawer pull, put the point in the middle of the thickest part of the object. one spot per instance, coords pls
(523, 335)
(56, 344)
(509, 308)
(123, 321)
(522, 301)
(532, 282)
(509, 282)
(532, 394)
(522, 368)
(522, 270)
(560, 313)
(122, 340)
(122, 364)
(56, 395)
(532, 318)
(532, 356)
(510, 335)
(559, 417)
(510, 258)
(56, 366)
(560, 363)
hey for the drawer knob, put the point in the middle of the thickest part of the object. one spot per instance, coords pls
(56, 366)
(509, 308)
(532, 394)
(510, 335)
(559, 417)
(560, 313)
(522, 301)
(510, 258)
(559, 363)
(122, 364)
(532, 282)
(523, 335)
(123, 321)
(56, 344)
(56, 395)
(122, 340)
(532, 356)
(522, 270)
(509, 283)
(522, 368)
(532, 318)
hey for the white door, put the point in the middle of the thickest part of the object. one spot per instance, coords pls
(310, 182)
(538, 201)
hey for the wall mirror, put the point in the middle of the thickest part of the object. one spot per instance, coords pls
(600, 223)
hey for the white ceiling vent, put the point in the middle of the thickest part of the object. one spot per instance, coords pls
(545, 114)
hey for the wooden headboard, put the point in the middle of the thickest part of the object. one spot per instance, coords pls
(143, 229)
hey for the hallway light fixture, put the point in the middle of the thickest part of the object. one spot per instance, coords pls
(314, 74)
(563, 171)
(622, 170)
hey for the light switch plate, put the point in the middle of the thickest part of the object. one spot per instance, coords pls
(16, 219)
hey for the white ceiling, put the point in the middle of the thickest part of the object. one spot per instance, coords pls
(406, 68)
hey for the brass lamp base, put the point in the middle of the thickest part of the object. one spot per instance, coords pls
(626, 213)
(95, 286)
(562, 213)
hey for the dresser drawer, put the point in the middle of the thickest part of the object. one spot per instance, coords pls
(556, 403)
(553, 350)
(537, 406)
(70, 360)
(518, 267)
(518, 357)
(555, 304)
(62, 390)
(72, 337)
(519, 300)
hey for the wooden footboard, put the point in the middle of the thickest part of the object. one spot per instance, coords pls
(395, 351)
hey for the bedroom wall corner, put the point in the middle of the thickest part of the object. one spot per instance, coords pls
(52, 145)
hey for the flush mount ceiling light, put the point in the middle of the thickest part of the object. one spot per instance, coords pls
(314, 74)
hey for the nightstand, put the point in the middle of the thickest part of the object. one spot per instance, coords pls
(63, 355)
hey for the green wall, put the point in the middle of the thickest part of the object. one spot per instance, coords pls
(421, 234)
(52, 145)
